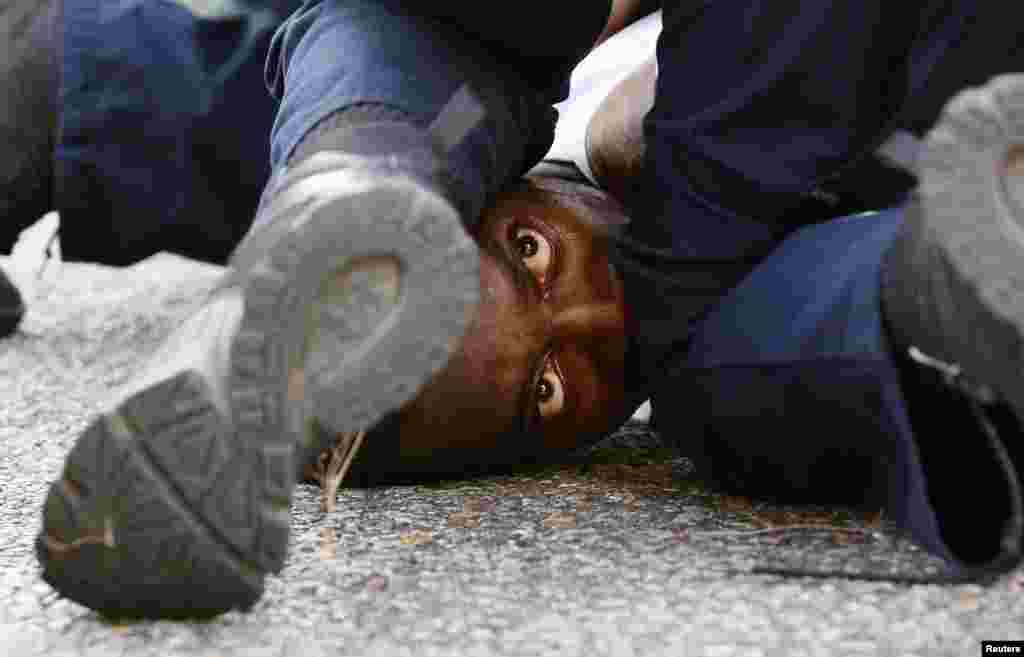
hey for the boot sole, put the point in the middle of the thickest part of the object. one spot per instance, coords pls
(954, 278)
(175, 503)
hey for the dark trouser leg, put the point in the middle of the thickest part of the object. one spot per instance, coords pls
(28, 113)
(804, 89)
(544, 39)
(732, 148)
(28, 117)
(163, 130)
(989, 45)
(793, 389)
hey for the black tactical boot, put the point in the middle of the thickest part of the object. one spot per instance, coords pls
(352, 288)
(953, 298)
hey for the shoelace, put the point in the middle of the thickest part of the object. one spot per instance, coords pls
(333, 464)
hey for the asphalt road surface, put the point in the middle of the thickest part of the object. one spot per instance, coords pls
(619, 553)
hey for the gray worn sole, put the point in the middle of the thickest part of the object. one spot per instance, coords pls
(175, 502)
(954, 280)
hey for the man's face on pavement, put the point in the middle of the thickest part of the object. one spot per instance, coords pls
(544, 354)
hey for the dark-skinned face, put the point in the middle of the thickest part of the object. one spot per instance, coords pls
(542, 361)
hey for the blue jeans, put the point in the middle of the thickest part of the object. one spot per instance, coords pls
(414, 64)
(162, 137)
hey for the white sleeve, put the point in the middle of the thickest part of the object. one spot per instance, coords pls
(592, 80)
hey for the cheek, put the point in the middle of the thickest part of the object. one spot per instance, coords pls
(473, 365)
(459, 408)
(502, 334)
(477, 387)
(489, 363)
(496, 290)
(598, 399)
(603, 279)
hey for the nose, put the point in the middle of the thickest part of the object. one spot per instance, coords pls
(588, 321)
(499, 286)
(511, 311)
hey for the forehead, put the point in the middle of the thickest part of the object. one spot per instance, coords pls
(585, 208)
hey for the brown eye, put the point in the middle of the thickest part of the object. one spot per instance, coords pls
(527, 244)
(550, 393)
(535, 251)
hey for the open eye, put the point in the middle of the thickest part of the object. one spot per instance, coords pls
(550, 393)
(535, 251)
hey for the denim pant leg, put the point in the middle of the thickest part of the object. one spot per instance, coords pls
(789, 388)
(162, 140)
(334, 54)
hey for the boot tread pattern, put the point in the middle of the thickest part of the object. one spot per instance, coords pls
(175, 503)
